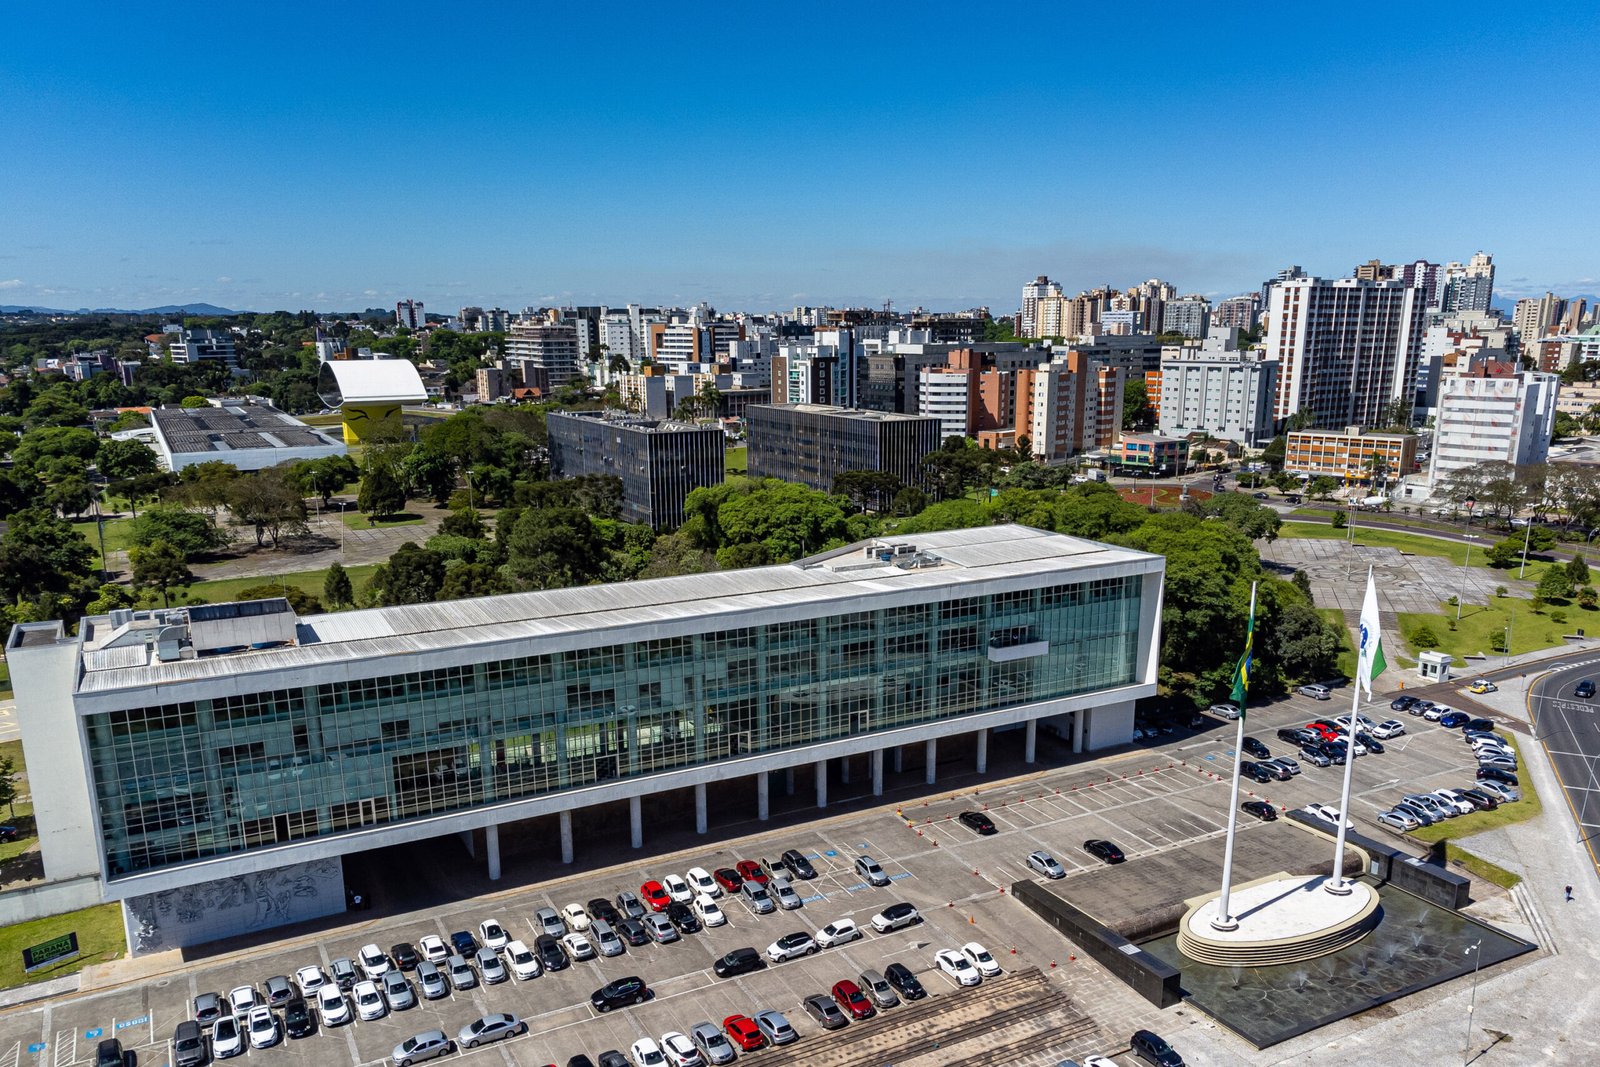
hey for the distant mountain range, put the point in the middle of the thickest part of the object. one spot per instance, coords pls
(166, 309)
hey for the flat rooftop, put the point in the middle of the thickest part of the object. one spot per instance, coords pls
(858, 414)
(242, 427)
(925, 562)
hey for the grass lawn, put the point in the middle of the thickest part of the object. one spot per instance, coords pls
(100, 938)
(1479, 867)
(357, 521)
(27, 834)
(736, 461)
(1479, 624)
(224, 589)
(1467, 825)
(1347, 652)
(117, 534)
(1417, 544)
(5, 679)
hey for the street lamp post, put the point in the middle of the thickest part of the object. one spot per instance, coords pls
(1461, 586)
(1477, 957)
(1525, 538)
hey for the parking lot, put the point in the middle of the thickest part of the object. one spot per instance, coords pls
(1161, 793)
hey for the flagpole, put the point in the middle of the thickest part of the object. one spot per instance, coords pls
(1337, 886)
(1223, 919)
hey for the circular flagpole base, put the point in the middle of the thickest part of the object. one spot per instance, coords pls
(1340, 888)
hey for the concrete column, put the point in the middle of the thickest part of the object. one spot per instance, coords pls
(932, 760)
(788, 781)
(763, 785)
(822, 783)
(1077, 728)
(469, 843)
(636, 820)
(844, 769)
(699, 807)
(566, 837)
(983, 751)
(491, 837)
(899, 758)
(1030, 743)
(877, 772)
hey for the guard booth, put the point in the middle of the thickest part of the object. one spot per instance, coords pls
(1433, 666)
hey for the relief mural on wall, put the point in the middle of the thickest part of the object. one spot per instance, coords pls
(228, 906)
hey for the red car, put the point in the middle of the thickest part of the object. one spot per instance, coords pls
(751, 871)
(1327, 730)
(655, 896)
(728, 879)
(851, 999)
(744, 1032)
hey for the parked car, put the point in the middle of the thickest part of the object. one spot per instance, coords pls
(1479, 724)
(1448, 798)
(189, 1047)
(680, 1051)
(278, 990)
(775, 1028)
(1316, 757)
(369, 1000)
(646, 1053)
(633, 932)
(661, 930)
(1255, 748)
(896, 916)
(524, 964)
(630, 905)
(1398, 820)
(109, 1053)
(758, 898)
(1224, 711)
(798, 865)
(728, 879)
(623, 991)
(838, 932)
(491, 967)
(1504, 792)
(1297, 735)
(1432, 805)
(980, 958)
(876, 986)
(1286, 763)
(428, 1045)
(551, 956)
(490, 1028)
(373, 961)
(1403, 703)
(227, 1040)
(1103, 850)
(741, 961)
(702, 883)
(1253, 771)
(655, 895)
(1422, 815)
(714, 1046)
(822, 1008)
(1046, 864)
(332, 1006)
(298, 1021)
(464, 944)
(677, 888)
(791, 946)
(241, 999)
(547, 921)
(1421, 708)
(1388, 728)
(398, 992)
(709, 913)
(493, 935)
(905, 983)
(751, 871)
(683, 917)
(1260, 809)
(959, 969)
(432, 980)
(1434, 712)
(405, 957)
(1330, 815)
(1493, 762)
(1454, 720)
(208, 1007)
(605, 938)
(744, 1032)
(978, 822)
(262, 1027)
(784, 894)
(433, 948)
(462, 976)
(1153, 1049)
(1479, 799)
(1315, 692)
(868, 868)
(603, 910)
(1495, 774)
(1483, 685)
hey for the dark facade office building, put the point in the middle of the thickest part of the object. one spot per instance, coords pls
(812, 444)
(659, 461)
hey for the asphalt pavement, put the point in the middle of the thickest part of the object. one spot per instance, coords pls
(1568, 727)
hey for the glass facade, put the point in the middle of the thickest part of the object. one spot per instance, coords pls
(181, 782)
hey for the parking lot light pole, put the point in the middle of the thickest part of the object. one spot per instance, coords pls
(1461, 585)
(1477, 957)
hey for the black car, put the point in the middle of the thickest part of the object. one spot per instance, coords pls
(8, 833)
(1255, 748)
(465, 944)
(298, 1021)
(978, 821)
(1260, 809)
(798, 865)
(739, 961)
(683, 917)
(405, 957)
(618, 994)
(548, 949)
(612, 1058)
(1104, 851)
(1370, 743)
(580, 1060)
(1254, 771)
(904, 982)
(633, 932)
(1478, 799)
(1585, 689)
(1149, 1046)
(602, 909)
(1485, 725)
(109, 1054)
(1495, 774)
(1402, 703)
(1297, 735)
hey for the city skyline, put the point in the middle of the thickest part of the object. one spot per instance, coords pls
(328, 160)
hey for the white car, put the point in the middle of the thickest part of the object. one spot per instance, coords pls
(1388, 728)
(263, 1028)
(1437, 712)
(331, 1005)
(578, 947)
(493, 935)
(433, 948)
(575, 917)
(226, 1038)
(370, 1004)
(244, 999)
(784, 893)
(710, 914)
(310, 979)
(1099, 1061)
(838, 932)
(896, 916)
(791, 946)
(1343, 722)
(1462, 807)
(1046, 864)
(957, 966)
(703, 884)
(646, 1053)
(524, 964)
(680, 1051)
(1330, 815)
(979, 957)
(374, 961)
(677, 889)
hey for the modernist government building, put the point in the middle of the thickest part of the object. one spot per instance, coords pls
(210, 766)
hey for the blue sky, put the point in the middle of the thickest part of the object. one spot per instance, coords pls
(341, 155)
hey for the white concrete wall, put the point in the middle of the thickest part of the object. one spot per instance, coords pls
(227, 907)
(48, 898)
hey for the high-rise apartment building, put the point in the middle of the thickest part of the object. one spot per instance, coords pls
(1190, 316)
(1069, 405)
(1469, 286)
(1218, 390)
(544, 350)
(1533, 317)
(1484, 418)
(480, 320)
(660, 462)
(408, 313)
(812, 444)
(1346, 348)
(1027, 320)
(195, 346)
(1238, 311)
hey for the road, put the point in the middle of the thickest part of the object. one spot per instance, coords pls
(1569, 729)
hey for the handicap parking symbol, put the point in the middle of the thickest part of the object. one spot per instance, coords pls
(38, 1046)
(830, 852)
(90, 1035)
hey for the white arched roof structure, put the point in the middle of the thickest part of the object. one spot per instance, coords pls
(370, 381)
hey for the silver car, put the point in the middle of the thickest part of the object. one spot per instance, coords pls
(549, 922)
(432, 981)
(878, 988)
(491, 966)
(430, 1044)
(398, 992)
(491, 1028)
(605, 939)
(661, 930)
(758, 898)
(784, 893)
(775, 1028)
(712, 1043)
(1046, 864)
(462, 976)
(868, 868)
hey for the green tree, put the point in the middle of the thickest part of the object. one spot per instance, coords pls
(302, 602)
(1275, 453)
(909, 501)
(191, 532)
(337, 591)
(463, 522)
(1246, 514)
(413, 575)
(1322, 487)
(194, 402)
(124, 460)
(159, 566)
(1136, 414)
(71, 496)
(65, 448)
(1554, 584)
(42, 554)
(472, 580)
(549, 548)
(1578, 570)
(868, 490)
(1422, 636)
(431, 472)
(1588, 598)
(326, 476)
(269, 502)
(1505, 552)
(382, 492)
(8, 785)
(1339, 521)
(56, 408)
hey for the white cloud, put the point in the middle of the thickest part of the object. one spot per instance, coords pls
(11, 283)
(369, 292)
(225, 280)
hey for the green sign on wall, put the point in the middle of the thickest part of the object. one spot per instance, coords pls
(47, 952)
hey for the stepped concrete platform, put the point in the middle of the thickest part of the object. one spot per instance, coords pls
(1279, 919)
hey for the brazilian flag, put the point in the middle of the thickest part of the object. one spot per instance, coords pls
(1241, 673)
